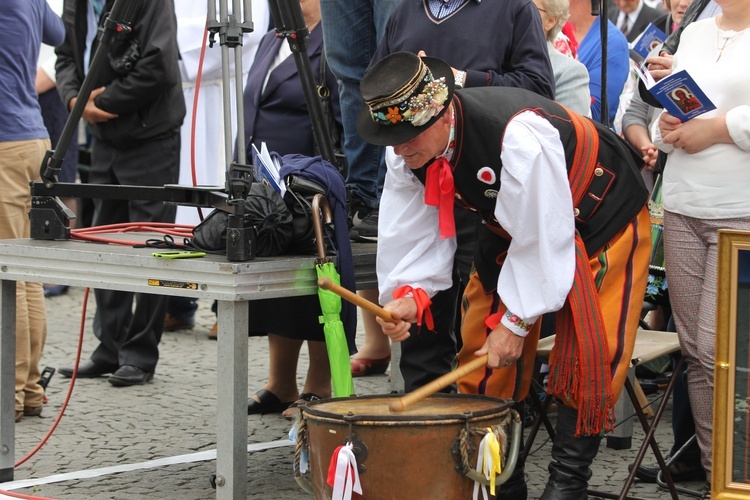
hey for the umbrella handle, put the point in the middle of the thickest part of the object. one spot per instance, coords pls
(327, 284)
(441, 382)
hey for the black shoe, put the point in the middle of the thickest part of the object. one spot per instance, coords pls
(128, 375)
(679, 470)
(268, 402)
(356, 209)
(88, 369)
(367, 230)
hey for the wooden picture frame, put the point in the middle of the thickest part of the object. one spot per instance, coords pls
(730, 477)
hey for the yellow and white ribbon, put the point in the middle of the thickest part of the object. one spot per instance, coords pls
(489, 463)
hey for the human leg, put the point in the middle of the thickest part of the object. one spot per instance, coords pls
(569, 470)
(691, 260)
(429, 354)
(19, 164)
(350, 36)
(283, 354)
(153, 163)
(687, 466)
(180, 313)
(376, 351)
(318, 380)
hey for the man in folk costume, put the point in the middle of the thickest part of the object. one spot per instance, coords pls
(566, 229)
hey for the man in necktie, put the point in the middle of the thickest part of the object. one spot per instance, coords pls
(634, 16)
(625, 25)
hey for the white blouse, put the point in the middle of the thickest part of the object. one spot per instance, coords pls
(534, 205)
(713, 183)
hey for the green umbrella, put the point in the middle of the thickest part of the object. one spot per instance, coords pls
(330, 306)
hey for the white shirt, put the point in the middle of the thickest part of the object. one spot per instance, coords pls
(534, 205)
(713, 183)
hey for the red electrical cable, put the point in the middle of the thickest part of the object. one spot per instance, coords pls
(62, 409)
(180, 231)
(194, 118)
(89, 234)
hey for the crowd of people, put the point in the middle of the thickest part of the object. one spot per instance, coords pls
(512, 188)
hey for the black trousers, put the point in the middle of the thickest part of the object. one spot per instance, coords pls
(426, 355)
(129, 325)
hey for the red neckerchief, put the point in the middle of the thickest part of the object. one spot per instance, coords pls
(439, 188)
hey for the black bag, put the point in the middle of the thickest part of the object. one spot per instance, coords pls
(265, 210)
(298, 198)
(332, 128)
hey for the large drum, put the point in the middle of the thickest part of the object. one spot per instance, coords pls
(425, 451)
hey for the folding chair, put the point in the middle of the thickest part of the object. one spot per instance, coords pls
(649, 345)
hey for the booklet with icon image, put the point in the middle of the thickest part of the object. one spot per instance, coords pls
(678, 93)
(651, 39)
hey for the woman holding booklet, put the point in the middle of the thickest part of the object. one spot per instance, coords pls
(705, 186)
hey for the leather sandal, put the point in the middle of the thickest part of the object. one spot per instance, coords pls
(362, 367)
(267, 402)
(306, 397)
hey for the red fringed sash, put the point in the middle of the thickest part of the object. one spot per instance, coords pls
(580, 367)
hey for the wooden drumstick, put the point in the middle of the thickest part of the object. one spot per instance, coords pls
(425, 391)
(327, 284)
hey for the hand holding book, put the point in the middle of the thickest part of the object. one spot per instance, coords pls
(678, 93)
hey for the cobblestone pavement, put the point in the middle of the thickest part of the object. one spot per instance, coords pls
(175, 415)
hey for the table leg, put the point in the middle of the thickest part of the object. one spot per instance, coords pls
(7, 379)
(231, 401)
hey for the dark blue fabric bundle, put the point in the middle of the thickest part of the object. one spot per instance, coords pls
(327, 176)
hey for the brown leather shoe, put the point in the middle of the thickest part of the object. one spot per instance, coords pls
(171, 324)
(32, 411)
(19, 415)
(213, 334)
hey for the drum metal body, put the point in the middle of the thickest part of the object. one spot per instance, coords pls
(407, 455)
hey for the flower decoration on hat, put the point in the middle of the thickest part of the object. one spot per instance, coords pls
(420, 100)
(393, 115)
(487, 175)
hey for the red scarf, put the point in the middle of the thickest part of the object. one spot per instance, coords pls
(439, 191)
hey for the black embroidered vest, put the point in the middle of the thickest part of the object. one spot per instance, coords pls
(614, 197)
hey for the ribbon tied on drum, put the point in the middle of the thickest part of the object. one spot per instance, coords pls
(343, 474)
(489, 463)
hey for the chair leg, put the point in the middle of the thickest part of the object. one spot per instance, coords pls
(541, 419)
(650, 430)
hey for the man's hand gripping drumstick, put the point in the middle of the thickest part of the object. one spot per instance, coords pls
(393, 320)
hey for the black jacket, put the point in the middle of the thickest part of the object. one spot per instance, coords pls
(147, 96)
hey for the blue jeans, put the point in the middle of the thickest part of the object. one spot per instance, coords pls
(351, 31)
(182, 308)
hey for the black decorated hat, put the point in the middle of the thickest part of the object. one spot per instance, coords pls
(404, 95)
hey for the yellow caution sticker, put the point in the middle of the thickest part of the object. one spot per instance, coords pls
(173, 284)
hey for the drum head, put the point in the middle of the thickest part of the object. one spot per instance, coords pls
(436, 407)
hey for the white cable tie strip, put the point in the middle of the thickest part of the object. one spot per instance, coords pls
(200, 456)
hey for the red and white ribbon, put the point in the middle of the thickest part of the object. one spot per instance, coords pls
(343, 474)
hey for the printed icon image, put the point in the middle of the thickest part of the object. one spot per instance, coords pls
(685, 99)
